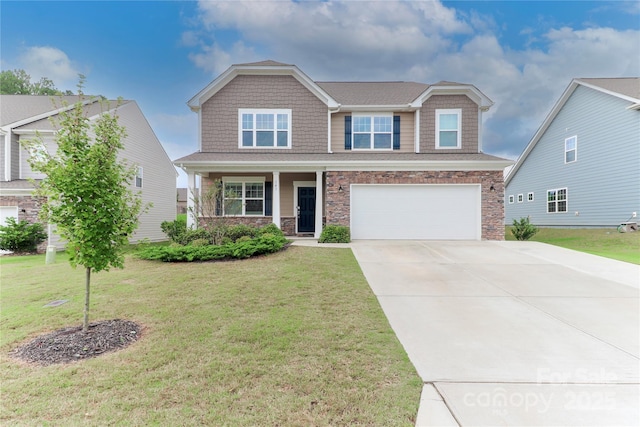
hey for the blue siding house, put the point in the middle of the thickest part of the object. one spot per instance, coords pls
(582, 167)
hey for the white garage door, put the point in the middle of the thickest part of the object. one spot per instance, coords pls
(423, 212)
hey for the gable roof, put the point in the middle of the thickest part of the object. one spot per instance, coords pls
(18, 108)
(347, 95)
(623, 88)
(268, 67)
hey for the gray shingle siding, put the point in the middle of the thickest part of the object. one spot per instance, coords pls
(469, 136)
(603, 184)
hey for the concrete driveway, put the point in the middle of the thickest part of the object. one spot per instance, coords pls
(512, 333)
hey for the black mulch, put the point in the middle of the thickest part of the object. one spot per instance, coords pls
(71, 344)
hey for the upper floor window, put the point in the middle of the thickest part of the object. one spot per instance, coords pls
(571, 149)
(448, 128)
(372, 132)
(530, 197)
(520, 198)
(264, 128)
(557, 200)
(139, 177)
(511, 199)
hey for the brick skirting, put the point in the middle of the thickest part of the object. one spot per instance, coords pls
(338, 209)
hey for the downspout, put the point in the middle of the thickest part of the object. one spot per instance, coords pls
(416, 136)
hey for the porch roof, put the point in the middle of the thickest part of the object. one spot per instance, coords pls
(212, 161)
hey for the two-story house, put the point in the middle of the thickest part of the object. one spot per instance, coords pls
(582, 166)
(392, 160)
(23, 117)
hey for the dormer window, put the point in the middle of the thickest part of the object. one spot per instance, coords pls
(264, 128)
(448, 128)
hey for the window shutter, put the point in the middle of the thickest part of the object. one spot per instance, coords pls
(396, 132)
(268, 198)
(347, 132)
(219, 198)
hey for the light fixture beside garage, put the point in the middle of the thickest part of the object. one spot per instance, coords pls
(492, 188)
(340, 189)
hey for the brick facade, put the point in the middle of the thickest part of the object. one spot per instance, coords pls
(28, 209)
(338, 202)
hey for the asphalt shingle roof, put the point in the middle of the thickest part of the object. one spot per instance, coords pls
(373, 93)
(628, 86)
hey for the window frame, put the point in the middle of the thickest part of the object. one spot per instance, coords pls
(520, 198)
(274, 112)
(372, 131)
(243, 180)
(139, 177)
(511, 199)
(530, 196)
(574, 149)
(556, 200)
(458, 130)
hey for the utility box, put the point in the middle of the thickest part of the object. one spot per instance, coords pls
(51, 255)
(628, 227)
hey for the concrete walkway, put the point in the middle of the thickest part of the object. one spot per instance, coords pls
(512, 333)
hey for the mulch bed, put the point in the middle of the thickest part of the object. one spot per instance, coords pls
(71, 344)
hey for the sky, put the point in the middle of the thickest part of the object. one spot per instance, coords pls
(521, 54)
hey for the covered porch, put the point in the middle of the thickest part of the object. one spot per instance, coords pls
(291, 199)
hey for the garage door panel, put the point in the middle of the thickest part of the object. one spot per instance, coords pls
(429, 212)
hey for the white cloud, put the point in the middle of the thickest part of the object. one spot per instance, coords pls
(49, 62)
(421, 41)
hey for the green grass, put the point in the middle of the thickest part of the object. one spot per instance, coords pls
(295, 338)
(598, 241)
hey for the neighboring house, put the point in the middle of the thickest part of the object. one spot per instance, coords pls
(24, 116)
(392, 160)
(582, 167)
(181, 201)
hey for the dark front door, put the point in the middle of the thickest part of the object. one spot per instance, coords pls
(306, 209)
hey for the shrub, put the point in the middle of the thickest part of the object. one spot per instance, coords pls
(200, 242)
(235, 232)
(523, 229)
(270, 229)
(174, 229)
(194, 234)
(21, 236)
(264, 244)
(335, 234)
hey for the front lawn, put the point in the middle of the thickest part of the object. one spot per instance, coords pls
(606, 242)
(293, 338)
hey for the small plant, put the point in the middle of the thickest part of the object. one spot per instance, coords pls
(522, 229)
(335, 234)
(195, 234)
(270, 229)
(200, 242)
(174, 229)
(235, 232)
(21, 236)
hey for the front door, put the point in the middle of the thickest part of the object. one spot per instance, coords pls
(306, 209)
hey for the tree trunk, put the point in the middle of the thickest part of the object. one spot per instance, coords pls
(85, 323)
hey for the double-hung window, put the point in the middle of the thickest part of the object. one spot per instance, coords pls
(243, 197)
(571, 149)
(264, 128)
(448, 128)
(557, 200)
(372, 132)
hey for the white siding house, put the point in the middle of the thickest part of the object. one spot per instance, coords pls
(25, 116)
(582, 167)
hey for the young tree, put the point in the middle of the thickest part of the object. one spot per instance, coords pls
(87, 191)
(207, 208)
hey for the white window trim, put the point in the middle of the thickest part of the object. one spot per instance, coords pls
(511, 199)
(575, 158)
(520, 198)
(372, 133)
(530, 197)
(139, 174)
(244, 180)
(273, 111)
(566, 200)
(457, 111)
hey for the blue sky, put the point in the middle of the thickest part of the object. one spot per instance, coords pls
(521, 54)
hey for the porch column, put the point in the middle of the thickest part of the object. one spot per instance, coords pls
(319, 204)
(191, 194)
(275, 200)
